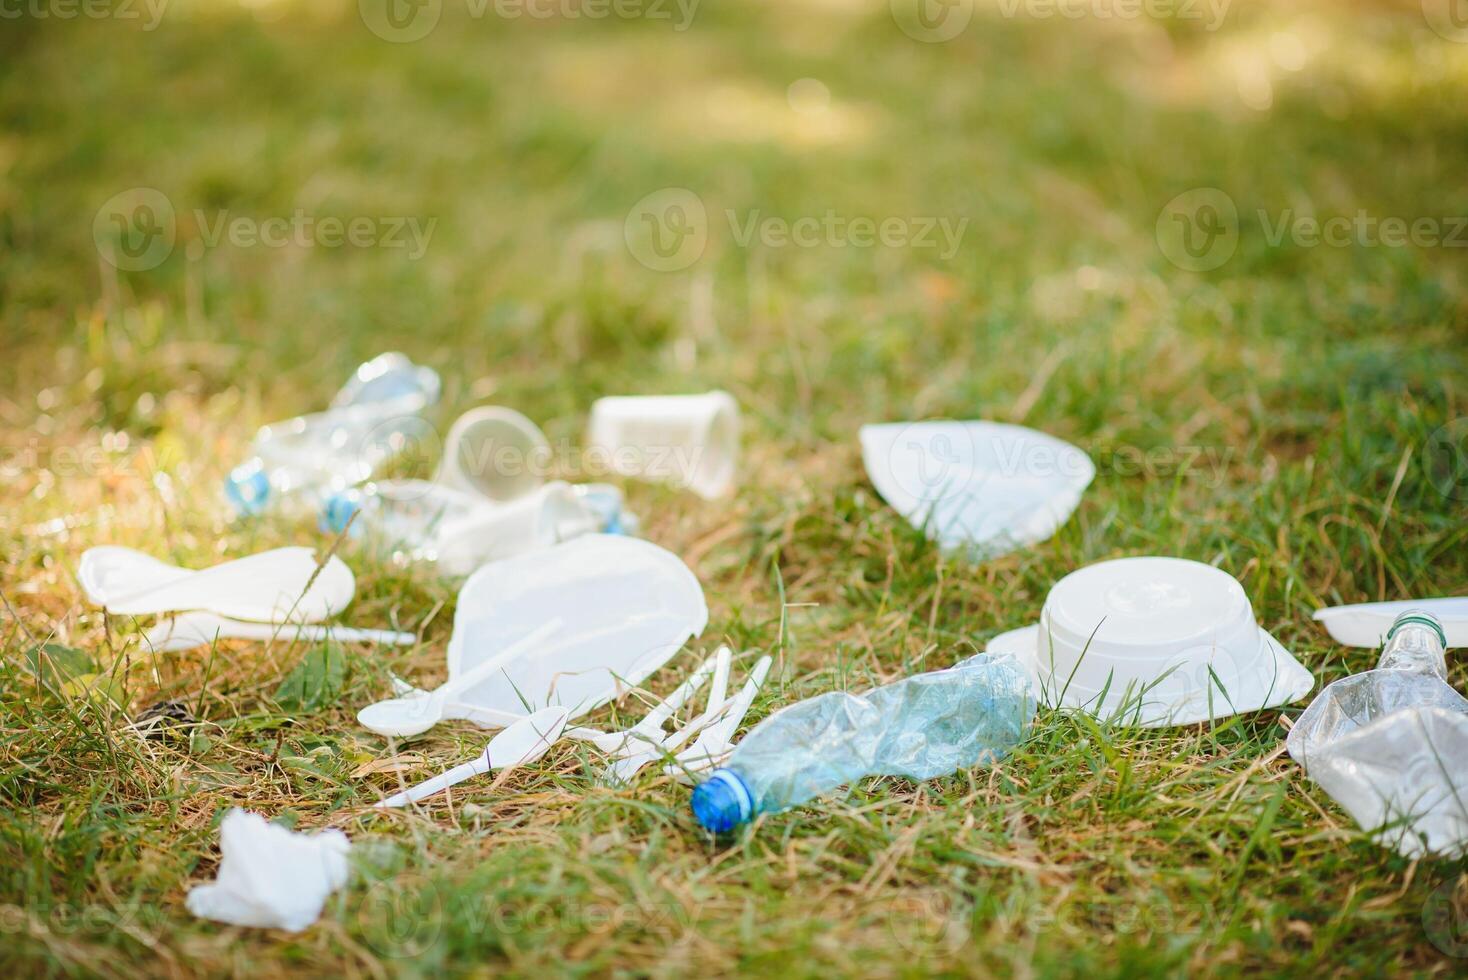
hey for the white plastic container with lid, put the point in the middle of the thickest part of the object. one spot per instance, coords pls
(1154, 641)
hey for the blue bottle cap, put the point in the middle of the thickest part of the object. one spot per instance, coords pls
(248, 488)
(338, 511)
(724, 802)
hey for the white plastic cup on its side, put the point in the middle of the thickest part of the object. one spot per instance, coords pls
(689, 441)
(495, 453)
(550, 514)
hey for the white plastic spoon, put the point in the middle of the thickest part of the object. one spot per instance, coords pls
(404, 717)
(189, 630)
(523, 742)
(272, 586)
(650, 727)
(715, 742)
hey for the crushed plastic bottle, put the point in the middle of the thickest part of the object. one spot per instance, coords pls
(921, 727)
(300, 462)
(1390, 745)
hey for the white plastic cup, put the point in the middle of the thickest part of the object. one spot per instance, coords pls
(548, 515)
(690, 441)
(496, 453)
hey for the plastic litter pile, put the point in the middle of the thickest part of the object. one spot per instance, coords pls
(563, 611)
(300, 462)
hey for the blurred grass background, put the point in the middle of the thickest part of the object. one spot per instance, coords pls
(1284, 406)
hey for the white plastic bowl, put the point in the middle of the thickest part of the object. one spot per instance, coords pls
(1154, 641)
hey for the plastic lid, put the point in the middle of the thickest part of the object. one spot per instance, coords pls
(723, 803)
(1145, 602)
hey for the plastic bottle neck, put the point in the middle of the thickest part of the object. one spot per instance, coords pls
(1416, 642)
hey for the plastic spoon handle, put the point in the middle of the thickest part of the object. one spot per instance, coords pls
(477, 766)
(729, 723)
(544, 730)
(197, 629)
(719, 689)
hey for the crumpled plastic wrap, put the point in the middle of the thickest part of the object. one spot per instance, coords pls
(270, 877)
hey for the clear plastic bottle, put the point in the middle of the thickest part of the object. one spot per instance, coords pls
(1390, 745)
(921, 727)
(300, 462)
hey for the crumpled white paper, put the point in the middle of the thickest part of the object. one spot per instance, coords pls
(271, 877)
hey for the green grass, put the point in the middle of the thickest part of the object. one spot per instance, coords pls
(1283, 403)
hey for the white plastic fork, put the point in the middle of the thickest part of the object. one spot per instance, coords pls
(630, 763)
(716, 741)
(650, 728)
